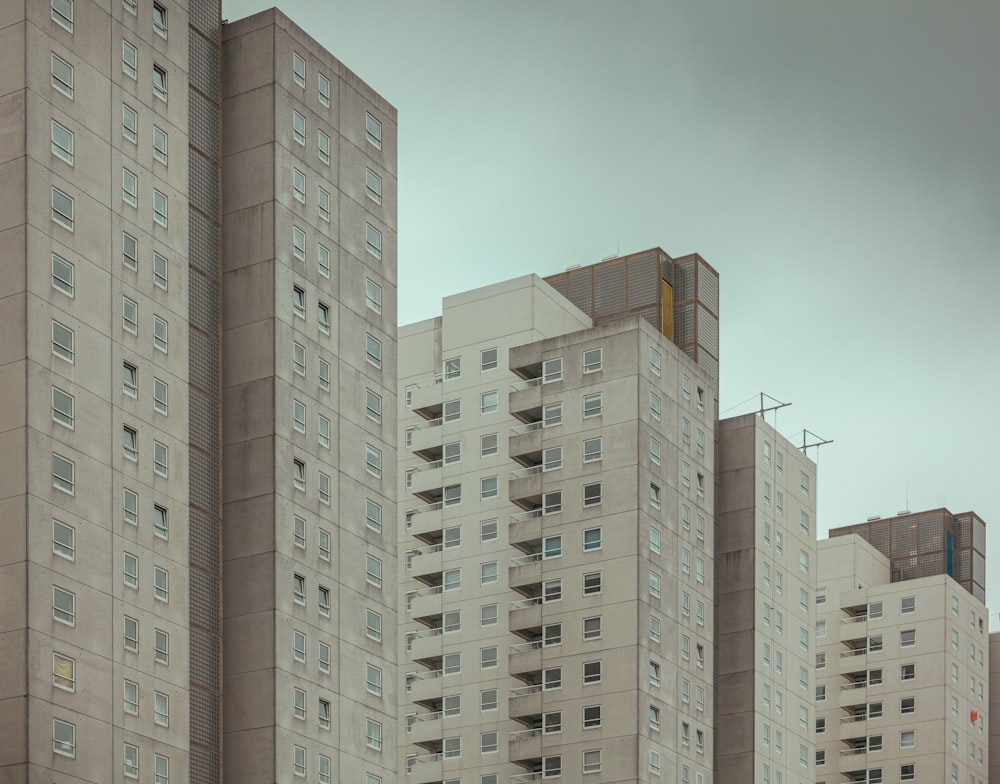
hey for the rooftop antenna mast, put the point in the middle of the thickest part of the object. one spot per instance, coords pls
(817, 443)
(765, 408)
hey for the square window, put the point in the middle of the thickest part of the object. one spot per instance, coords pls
(488, 699)
(592, 628)
(488, 742)
(591, 539)
(488, 657)
(488, 359)
(591, 717)
(552, 590)
(593, 405)
(592, 360)
(907, 638)
(592, 584)
(62, 76)
(488, 402)
(373, 131)
(488, 573)
(552, 458)
(591, 672)
(552, 370)
(488, 445)
(592, 761)
(592, 494)
(593, 449)
(62, 13)
(488, 531)
(551, 678)
(488, 487)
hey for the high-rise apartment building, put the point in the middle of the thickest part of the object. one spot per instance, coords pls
(765, 584)
(994, 687)
(119, 242)
(902, 671)
(556, 544)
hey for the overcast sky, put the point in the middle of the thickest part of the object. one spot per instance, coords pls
(836, 162)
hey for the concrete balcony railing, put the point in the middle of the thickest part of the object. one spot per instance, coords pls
(429, 481)
(424, 603)
(425, 769)
(525, 657)
(424, 685)
(525, 570)
(423, 520)
(525, 490)
(525, 778)
(525, 701)
(525, 744)
(423, 561)
(526, 441)
(525, 530)
(424, 644)
(424, 727)
(525, 396)
(525, 614)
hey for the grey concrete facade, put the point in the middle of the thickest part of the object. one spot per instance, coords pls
(994, 687)
(309, 683)
(94, 370)
(556, 546)
(765, 561)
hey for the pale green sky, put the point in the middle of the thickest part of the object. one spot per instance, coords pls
(837, 162)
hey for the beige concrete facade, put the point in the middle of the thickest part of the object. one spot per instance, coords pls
(765, 560)
(994, 687)
(902, 673)
(310, 624)
(558, 568)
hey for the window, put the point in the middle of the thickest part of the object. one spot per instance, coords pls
(322, 146)
(161, 709)
(488, 445)
(299, 760)
(551, 678)
(373, 351)
(62, 76)
(63, 738)
(373, 460)
(63, 474)
(654, 585)
(593, 405)
(552, 503)
(130, 315)
(907, 772)
(804, 561)
(907, 672)
(592, 449)
(551, 767)
(131, 697)
(908, 604)
(592, 761)
(161, 644)
(488, 573)
(323, 431)
(130, 754)
(875, 610)
(64, 606)
(131, 634)
(323, 203)
(324, 657)
(324, 600)
(592, 583)
(488, 658)
(654, 629)
(373, 131)
(907, 705)
(130, 59)
(373, 625)
(63, 407)
(654, 495)
(298, 128)
(373, 186)
(654, 762)
(552, 370)
(592, 494)
(161, 584)
(592, 360)
(299, 186)
(907, 638)
(159, 82)
(62, 13)
(488, 615)
(322, 85)
(373, 296)
(62, 142)
(299, 237)
(592, 628)
(488, 531)
(373, 571)
(488, 742)
(452, 495)
(130, 570)
(63, 672)
(552, 590)
(452, 748)
(63, 209)
(488, 402)
(654, 405)
(907, 739)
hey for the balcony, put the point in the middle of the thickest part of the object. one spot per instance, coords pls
(424, 521)
(525, 487)
(525, 399)
(424, 398)
(526, 778)
(524, 658)
(426, 482)
(423, 686)
(525, 531)
(525, 744)
(425, 769)
(525, 701)
(424, 728)
(424, 644)
(424, 604)
(525, 444)
(525, 614)
(524, 571)
(424, 440)
(422, 562)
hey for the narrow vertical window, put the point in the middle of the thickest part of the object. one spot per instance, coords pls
(373, 131)
(130, 59)
(62, 142)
